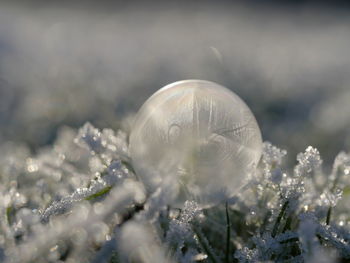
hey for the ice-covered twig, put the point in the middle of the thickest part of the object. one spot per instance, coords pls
(118, 199)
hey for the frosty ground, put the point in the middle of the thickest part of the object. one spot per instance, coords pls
(80, 201)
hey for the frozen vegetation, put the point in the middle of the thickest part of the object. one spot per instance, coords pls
(72, 195)
(79, 200)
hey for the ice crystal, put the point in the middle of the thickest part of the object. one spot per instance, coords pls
(331, 198)
(82, 202)
(90, 137)
(106, 143)
(309, 161)
(247, 255)
(307, 234)
(340, 171)
(272, 156)
(180, 229)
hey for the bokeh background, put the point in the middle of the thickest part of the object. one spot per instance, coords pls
(69, 62)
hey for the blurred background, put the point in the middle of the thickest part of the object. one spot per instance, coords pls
(77, 61)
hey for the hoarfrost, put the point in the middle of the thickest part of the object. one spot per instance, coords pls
(82, 202)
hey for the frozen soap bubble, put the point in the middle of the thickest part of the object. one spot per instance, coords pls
(198, 135)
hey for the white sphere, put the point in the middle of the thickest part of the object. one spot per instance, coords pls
(201, 135)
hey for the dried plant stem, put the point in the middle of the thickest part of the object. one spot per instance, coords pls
(329, 213)
(228, 234)
(279, 218)
(205, 245)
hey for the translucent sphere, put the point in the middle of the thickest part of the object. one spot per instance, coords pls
(198, 135)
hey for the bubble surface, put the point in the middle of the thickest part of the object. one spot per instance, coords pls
(201, 135)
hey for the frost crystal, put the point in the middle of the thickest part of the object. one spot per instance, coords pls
(309, 161)
(90, 137)
(82, 202)
(106, 143)
(272, 160)
(307, 234)
(331, 198)
(272, 156)
(180, 229)
(340, 171)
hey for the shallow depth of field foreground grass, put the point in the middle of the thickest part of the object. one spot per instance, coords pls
(79, 200)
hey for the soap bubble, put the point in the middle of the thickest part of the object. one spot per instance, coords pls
(201, 135)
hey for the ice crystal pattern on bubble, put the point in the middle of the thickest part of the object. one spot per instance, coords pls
(212, 132)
